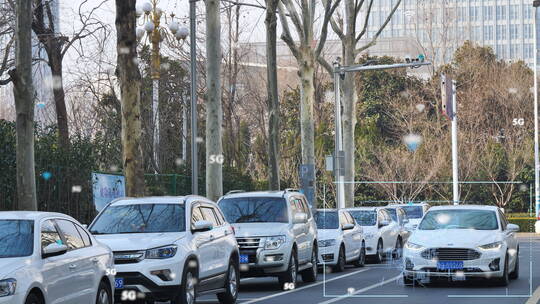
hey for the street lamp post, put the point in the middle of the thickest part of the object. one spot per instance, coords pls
(156, 34)
(536, 4)
(193, 98)
(339, 72)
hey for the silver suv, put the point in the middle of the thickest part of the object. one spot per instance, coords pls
(276, 234)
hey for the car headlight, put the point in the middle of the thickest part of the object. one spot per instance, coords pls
(369, 235)
(491, 246)
(326, 243)
(413, 246)
(274, 242)
(164, 252)
(7, 287)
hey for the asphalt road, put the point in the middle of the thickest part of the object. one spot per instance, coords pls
(382, 284)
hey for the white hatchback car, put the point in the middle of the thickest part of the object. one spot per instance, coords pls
(382, 235)
(50, 258)
(414, 211)
(340, 239)
(170, 248)
(463, 241)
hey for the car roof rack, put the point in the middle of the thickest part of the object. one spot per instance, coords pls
(291, 190)
(235, 191)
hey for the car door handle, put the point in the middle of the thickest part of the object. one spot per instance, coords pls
(212, 238)
(72, 266)
(95, 260)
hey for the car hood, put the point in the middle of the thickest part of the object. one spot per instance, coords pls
(139, 241)
(453, 237)
(259, 229)
(9, 265)
(328, 234)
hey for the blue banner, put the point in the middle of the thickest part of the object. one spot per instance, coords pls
(106, 187)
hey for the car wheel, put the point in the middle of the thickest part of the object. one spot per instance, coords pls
(310, 275)
(33, 299)
(231, 285)
(362, 257)
(515, 273)
(505, 279)
(340, 266)
(398, 250)
(104, 294)
(188, 289)
(289, 277)
(379, 255)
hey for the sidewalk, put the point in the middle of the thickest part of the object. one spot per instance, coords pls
(535, 236)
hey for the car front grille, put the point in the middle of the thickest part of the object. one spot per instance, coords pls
(464, 270)
(128, 257)
(248, 243)
(450, 254)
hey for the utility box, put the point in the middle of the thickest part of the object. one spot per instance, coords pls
(307, 182)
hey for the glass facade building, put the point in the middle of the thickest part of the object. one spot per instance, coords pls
(441, 26)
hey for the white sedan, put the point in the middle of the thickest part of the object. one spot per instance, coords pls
(50, 258)
(458, 242)
(382, 235)
(340, 239)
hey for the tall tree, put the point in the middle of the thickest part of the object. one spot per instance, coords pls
(45, 25)
(302, 16)
(272, 94)
(214, 156)
(347, 31)
(130, 88)
(23, 90)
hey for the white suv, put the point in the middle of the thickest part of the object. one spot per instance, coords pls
(276, 234)
(50, 258)
(169, 248)
(382, 235)
(340, 239)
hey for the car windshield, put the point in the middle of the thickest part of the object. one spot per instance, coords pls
(413, 212)
(255, 210)
(327, 220)
(365, 218)
(16, 238)
(459, 219)
(140, 218)
(393, 213)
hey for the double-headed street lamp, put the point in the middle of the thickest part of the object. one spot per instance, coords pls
(152, 16)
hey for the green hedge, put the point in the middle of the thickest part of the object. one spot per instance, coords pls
(525, 224)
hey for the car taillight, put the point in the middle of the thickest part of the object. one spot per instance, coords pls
(233, 231)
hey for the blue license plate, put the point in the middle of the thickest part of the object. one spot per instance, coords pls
(449, 265)
(244, 259)
(119, 283)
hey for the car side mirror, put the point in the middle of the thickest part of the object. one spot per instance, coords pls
(300, 218)
(53, 249)
(512, 227)
(384, 223)
(85, 226)
(201, 226)
(347, 226)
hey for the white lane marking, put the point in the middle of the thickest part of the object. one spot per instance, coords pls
(361, 290)
(304, 287)
(535, 298)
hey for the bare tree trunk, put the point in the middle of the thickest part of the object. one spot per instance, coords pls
(55, 64)
(350, 98)
(272, 95)
(307, 124)
(130, 87)
(214, 184)
(23, 90)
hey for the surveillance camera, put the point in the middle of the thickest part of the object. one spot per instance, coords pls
(408, 58)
